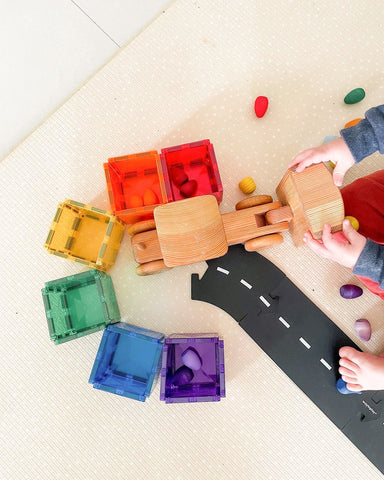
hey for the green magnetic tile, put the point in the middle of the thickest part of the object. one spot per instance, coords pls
(79, 304)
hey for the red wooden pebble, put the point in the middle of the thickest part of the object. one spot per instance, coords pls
(261, 106)
(178, 176)
(189, 188)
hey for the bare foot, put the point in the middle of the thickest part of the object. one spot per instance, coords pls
(360, 370)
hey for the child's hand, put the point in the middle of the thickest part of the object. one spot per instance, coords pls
(346, 253)
(335, 151)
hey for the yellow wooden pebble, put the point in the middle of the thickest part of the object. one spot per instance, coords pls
(354, 222)
(247, 185)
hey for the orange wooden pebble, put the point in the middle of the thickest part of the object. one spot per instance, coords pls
(135, 201)
(352, 122)
(150, 197)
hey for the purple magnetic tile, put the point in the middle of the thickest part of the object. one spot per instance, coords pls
(208, 382)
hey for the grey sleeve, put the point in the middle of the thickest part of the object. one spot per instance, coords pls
(367, 136)
(371, 262)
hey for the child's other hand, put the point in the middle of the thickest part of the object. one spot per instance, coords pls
(335, 151)
(344, 252)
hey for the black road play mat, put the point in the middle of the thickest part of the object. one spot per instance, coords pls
(297, 336)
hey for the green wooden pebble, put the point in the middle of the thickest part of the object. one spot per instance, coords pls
(354, 96)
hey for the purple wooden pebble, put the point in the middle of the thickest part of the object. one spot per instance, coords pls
(363, 329)
(191, 359)
(350, 291)
(182, 376)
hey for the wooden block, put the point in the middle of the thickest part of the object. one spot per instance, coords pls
(146, 247)
(314, 200)
(242, 225)
(190, 230)
(283, 214)
(269, 229)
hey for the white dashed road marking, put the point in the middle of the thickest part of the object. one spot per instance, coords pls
(246, 283)
(284, 322)
(326, 364)
(223, 270)
(281, 319)
(305, 343)
(265, 301)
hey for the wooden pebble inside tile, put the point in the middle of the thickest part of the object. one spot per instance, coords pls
(188, 188)
(135, 201)
(150, 197)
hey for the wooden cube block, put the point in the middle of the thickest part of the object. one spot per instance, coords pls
(314, 200)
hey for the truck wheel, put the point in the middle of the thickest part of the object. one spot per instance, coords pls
(261, 242)
(253, 201)
(151, 267)
(142, 226)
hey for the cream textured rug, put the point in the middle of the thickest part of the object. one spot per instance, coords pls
(193, 74)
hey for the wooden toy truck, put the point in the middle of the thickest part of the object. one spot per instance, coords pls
(193, 230)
